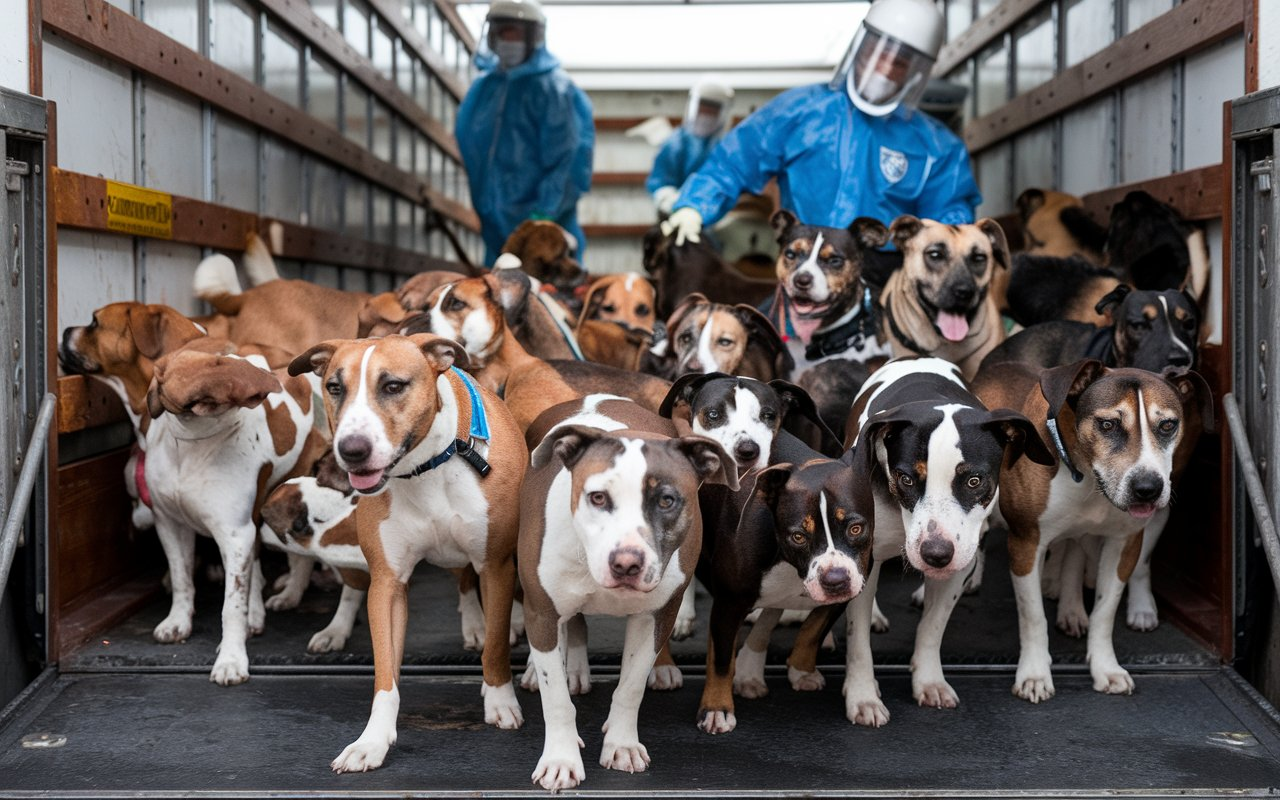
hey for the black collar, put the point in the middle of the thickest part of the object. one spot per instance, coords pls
(457, 447)
(852, 333)
(903, 339)
(1052, 424)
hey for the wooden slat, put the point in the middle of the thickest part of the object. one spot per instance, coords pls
(297, 14)
(982, 32)
(109, 606)
(99, 26)
(1189, 27)
(86, 403)
(615, 230)
(391, 11)
(450, 13)
(1195, 194)
(80, 202)
(619, 178)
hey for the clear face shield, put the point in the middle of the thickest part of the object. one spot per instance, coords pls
(705, 117)
(511, 41)
(880, 73)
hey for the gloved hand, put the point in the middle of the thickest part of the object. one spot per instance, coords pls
(686, 223)
(665, 197)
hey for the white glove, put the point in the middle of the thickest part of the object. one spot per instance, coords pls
(686, 223)
(665, 197)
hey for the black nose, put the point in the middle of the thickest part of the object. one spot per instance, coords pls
(802, 280)
(835, 580)
(626, 562)
(355, 449)
(963, 294)
(937, 552)
(1146, 487)
(1179, 358)
(746, 451)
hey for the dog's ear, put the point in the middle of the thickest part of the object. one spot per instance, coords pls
(690, 302)
(869, 232)
(512, 289)
(782, 221)
(154, 406)
(1195, 393)
(158, 329)
(710, 461)
(903, 229)
(381, 313)
(1019, 437)
(761, 328)
(316, 359)
(568, 442)
(799, 405)
(999, 244)
(1062, 386)
(417, 322)
(441, 353)
(684, 390)
(1029, 202)
(771, 482)
(1113, 298)
(519, 238)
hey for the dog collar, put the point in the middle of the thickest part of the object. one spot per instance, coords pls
(851, 333)
(547, 300)
(477, 428)
(1052, 424)
(140, 475)
(899, 334)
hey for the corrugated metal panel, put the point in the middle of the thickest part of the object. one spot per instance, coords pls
(283, 195)
(1140, 12)
(1087, 152)
(1212, 77)
(95, 110)
(1146, 143)
(171, 267)
(1089, 28)
(177, 19)
(235, 164)
(93, 269)
(1033, 158)
(991, 169)
(172, 150)
(1035, 52)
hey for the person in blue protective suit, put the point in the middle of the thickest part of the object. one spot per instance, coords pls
(705, 120)
(524, 129)
(849, 148)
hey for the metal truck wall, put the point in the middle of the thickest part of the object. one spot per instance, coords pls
(22, 374)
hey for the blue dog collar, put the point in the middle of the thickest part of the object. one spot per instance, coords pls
(479, 422)
(458, 447)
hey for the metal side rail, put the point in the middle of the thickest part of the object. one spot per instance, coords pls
(1253, 487)
(26, 482)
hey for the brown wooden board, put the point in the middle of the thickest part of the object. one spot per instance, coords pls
(390, 11)
(619, 178)
(450, 13)
(982, 32)
(1197, 194)
(86, 403)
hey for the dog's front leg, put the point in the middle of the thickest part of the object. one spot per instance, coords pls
(1033, 680)
(928, 686)
(862, 703)
(179, 543)
(1113, 570)
(715, 713)
(388, 616)
(687, 615)
(232, 664)
(1141, 613)
(257, 611)
(802, 666)
(498, 585)
(299, 577)
(622, 748)
(560, 766)
(334, 636)
(748, 672)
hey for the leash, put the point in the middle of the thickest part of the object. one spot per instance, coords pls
(1052, 424)
(550, 303)
(476, 428)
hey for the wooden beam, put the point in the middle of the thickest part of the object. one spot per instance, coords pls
(615, 230)
(390, 11)
(80, 202)
(450, 13)
(985, 30)
(1196, 194)
(86, 403)
(619, 178)
(102, 28)
(1187, 28)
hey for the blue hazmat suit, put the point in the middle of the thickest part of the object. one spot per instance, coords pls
(681, 156)
(526, 136)
(834, 163)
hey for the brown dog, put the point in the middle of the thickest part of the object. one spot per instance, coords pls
(738, 340)
(937, 303)
(546, 252)
(625, 299)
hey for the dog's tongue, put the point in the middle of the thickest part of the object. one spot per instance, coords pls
(953, 326)
(367, 480)
(804, 327)
(1142, 510)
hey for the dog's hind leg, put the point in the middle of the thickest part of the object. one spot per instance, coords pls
(179, 545)
(469, 608)
(1073, 620)
(687, 615)
(299, 577)
(802, 666)
(748, 675)
(257, 610)
(333, 637)
(237, 546)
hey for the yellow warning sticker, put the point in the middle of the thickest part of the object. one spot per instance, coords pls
(143, 212)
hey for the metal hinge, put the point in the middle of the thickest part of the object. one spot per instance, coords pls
(1262, 171)
(14, 172)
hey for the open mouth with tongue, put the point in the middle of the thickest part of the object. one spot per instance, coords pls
(806, 308)
(367, 480)
(954, 327)
(1141, 510)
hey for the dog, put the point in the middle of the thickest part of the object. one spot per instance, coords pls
(1152, 247)
(938, 303)
(400, 413)
(546, 253)
(1116, 433)
(1056, 224)
(1049, 288)
(609, 524)
(713, 337)
(937, 453)
(694, 267)
(626, 299)
(234, 430)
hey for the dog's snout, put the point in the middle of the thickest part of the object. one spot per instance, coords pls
(1179, 358)
(937, 552)
(1146, 487)
(626, 562)
(963, 294)
(746, 451)
(355, 449)
(835, 580)
(803, 280)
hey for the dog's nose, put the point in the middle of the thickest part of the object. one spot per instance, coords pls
(626, 562)
(937, 551)
(1179, 358)
(963, 294)
(835, 580)
(747, 451)
(1146, 487)
(803, 280)
(355, 449)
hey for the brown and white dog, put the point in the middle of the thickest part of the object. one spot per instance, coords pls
(609, 524)
(1116, 434)
(937, 303)
(708, 337)
(436, 459)
(546, 252)
(233, 430)
(626, 299)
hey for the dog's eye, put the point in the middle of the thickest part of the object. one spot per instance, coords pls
(855, 530)
(686, 337)
(724, 341)
(1106, 425)
(835, 262)
(334, 388)
(935, 253)
(974, 482)
(642, 310)
(667, 502)
(798, 538)
(768, 415)
(905, 479)
(1167, 427)
(393, 387)
(789, 254)
(713, 414)
(455, 305)
(978, 258)
(598, 499)
(609, 309)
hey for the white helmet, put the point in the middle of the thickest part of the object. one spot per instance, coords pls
(891, 55)
(513, 29)
(708, 109)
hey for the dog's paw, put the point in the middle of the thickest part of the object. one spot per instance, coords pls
(172, 630)
(665, 677)
(714, 722)
(559, 769)
(327, 641)
(472, 637)
(280, 582)
(529, 680)
(917, 597)
(879, 622)
(752, 687)
(805, 681)
(230, 670)
(257, 621)
(283, 601)
(936, 694)
(683, 628)
(1073, 621)
(501, 708)
(361, 755)
(1033, 688)
(624, 756)
(1115, 680)
(748, 676)
(1142, 615)
(578, 671)
(866, 711)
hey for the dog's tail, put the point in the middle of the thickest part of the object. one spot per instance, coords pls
(217, 284)
(259, 266)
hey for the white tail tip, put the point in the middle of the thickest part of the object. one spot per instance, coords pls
(215, 277)
(507, 261)
(258, 263)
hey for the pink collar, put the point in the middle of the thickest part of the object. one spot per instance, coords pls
(140, 477)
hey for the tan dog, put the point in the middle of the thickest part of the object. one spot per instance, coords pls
(625, 299)
(938, 302)
(437, 460)
(546, 252)
(738, 340)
